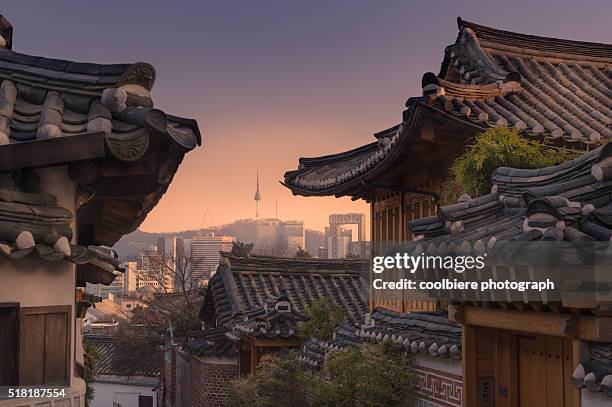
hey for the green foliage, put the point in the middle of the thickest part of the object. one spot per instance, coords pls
(323, 316)
(279, 382)
(302, 254)
(498, 147)
(377, 375)
(92, 357)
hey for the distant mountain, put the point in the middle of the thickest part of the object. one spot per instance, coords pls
(129, 246)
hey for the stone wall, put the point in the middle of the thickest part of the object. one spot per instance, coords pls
(203, 381)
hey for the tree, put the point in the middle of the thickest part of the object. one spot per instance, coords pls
(371, 376)
(323, 316)
(174, 302)
(375, 375)
(498, 147)
(92, 357)
(302, 253)
(279, 382)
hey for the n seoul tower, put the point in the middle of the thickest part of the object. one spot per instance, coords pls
(257, 198)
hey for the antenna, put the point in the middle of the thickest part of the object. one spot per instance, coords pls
(276, 208)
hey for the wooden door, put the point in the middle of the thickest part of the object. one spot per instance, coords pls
(9, 345)
(544, 369)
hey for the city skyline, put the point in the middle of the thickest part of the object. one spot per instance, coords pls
(336, 75)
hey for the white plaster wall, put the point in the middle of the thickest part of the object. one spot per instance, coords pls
(124, 394)
(33, 282)
(590, 399)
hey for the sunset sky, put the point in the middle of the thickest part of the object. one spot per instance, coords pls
(270, 81)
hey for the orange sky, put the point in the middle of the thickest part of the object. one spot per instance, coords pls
(271, 81)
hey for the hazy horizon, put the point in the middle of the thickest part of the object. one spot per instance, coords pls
(272, 81)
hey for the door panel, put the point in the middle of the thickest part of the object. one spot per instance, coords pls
(543, 366)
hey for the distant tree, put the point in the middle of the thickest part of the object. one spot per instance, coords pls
(352, 256)
(323, 316)
(92, 357)
(302, 253)
(175, 304)
(498, 147)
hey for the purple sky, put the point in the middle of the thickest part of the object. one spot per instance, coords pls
(269, 81)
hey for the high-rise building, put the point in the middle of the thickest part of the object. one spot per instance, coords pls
(342, 248)
(130, 277)
(292, 234)
(322, 252)
(205, 255)
(154, 272)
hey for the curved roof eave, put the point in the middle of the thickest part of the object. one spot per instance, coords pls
(410, 126)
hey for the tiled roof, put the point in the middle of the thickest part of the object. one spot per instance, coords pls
(242, 285)
(268, 322)
(426, 333)
(119, 359)
(211, 342)
(556, 90)
(51, 99)
(570, 201)
(34, 224)
(595, 374)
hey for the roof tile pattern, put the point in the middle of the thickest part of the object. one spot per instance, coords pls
(244, 284)
(211, 342)
(571, 201)
(117, 359)
(559, 91)
(595, 374)
(425, 333)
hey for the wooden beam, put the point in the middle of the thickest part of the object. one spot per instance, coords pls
(53, 151)
(588, 328)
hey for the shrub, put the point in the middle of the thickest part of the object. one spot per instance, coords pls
(498, 147)
(279, 382)
(323, 316)
(375, 375)
(371, 376)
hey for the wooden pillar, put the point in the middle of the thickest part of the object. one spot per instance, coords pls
(468, 364)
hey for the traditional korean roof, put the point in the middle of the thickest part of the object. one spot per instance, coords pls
(33, 224)
(211, 342)
(276, 319)
(425, 333)
(570, 201)
(100, 120)
(117, 357)
(552, 89)
(243, 285)
(595, 373)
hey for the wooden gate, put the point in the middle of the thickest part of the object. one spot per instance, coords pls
(544, 371)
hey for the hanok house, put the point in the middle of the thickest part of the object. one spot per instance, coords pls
(550, 89)
(251, 308)
(127, 372)
(533, 349)
(554, 90)
(84, 157)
